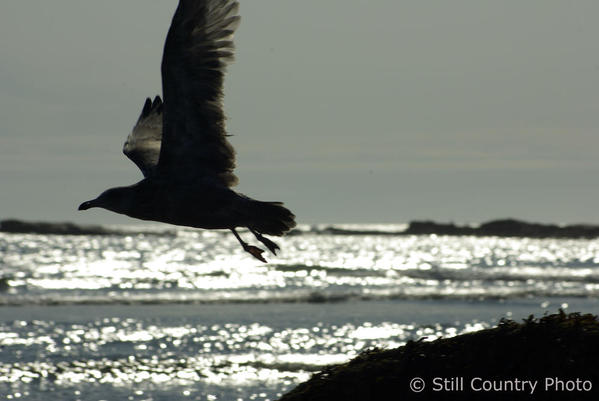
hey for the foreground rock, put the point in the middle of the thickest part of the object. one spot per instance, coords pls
(552, 358)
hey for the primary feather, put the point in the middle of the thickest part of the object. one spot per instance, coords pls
(143, 143)
(198, 47)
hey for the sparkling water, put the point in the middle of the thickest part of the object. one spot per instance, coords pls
(190, 315)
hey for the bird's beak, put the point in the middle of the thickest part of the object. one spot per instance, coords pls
(87, 205)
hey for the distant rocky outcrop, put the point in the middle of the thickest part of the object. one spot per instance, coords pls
(431, 227)
(345, 231)
(557, 353)
(65, 228)
(499, 228)
(505, 228)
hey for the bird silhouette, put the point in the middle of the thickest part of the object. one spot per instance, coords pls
(180, 144)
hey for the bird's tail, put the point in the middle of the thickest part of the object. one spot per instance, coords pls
(271, 218)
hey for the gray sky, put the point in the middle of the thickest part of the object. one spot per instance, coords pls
(346, 110)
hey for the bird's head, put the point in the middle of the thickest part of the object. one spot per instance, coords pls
(118, 200)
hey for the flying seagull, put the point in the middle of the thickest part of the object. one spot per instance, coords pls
(180, 144)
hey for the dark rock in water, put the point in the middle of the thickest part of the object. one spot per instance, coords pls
(25, 227)
(430, 227)
(499, 228)
(295, 231)
(505, 228)
(557, 352)
(345, 231)
(4, 284)
(510, 227)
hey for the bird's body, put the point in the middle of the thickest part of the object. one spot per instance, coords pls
(181, 145)
(194, 204)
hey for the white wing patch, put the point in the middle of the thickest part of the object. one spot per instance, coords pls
(143, 143)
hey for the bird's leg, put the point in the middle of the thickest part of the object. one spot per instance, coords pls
(254, 251)
(269, 244)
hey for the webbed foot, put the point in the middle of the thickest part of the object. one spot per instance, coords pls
(255, 252)
(268, 243)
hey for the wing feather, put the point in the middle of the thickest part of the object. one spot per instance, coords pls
(143, 143)
(198, 47)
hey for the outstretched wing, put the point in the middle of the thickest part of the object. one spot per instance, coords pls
(143, 143)
(198, 47)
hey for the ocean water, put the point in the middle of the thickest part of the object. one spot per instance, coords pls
(190, 316)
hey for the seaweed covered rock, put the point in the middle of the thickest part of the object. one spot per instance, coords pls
(551, 358)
